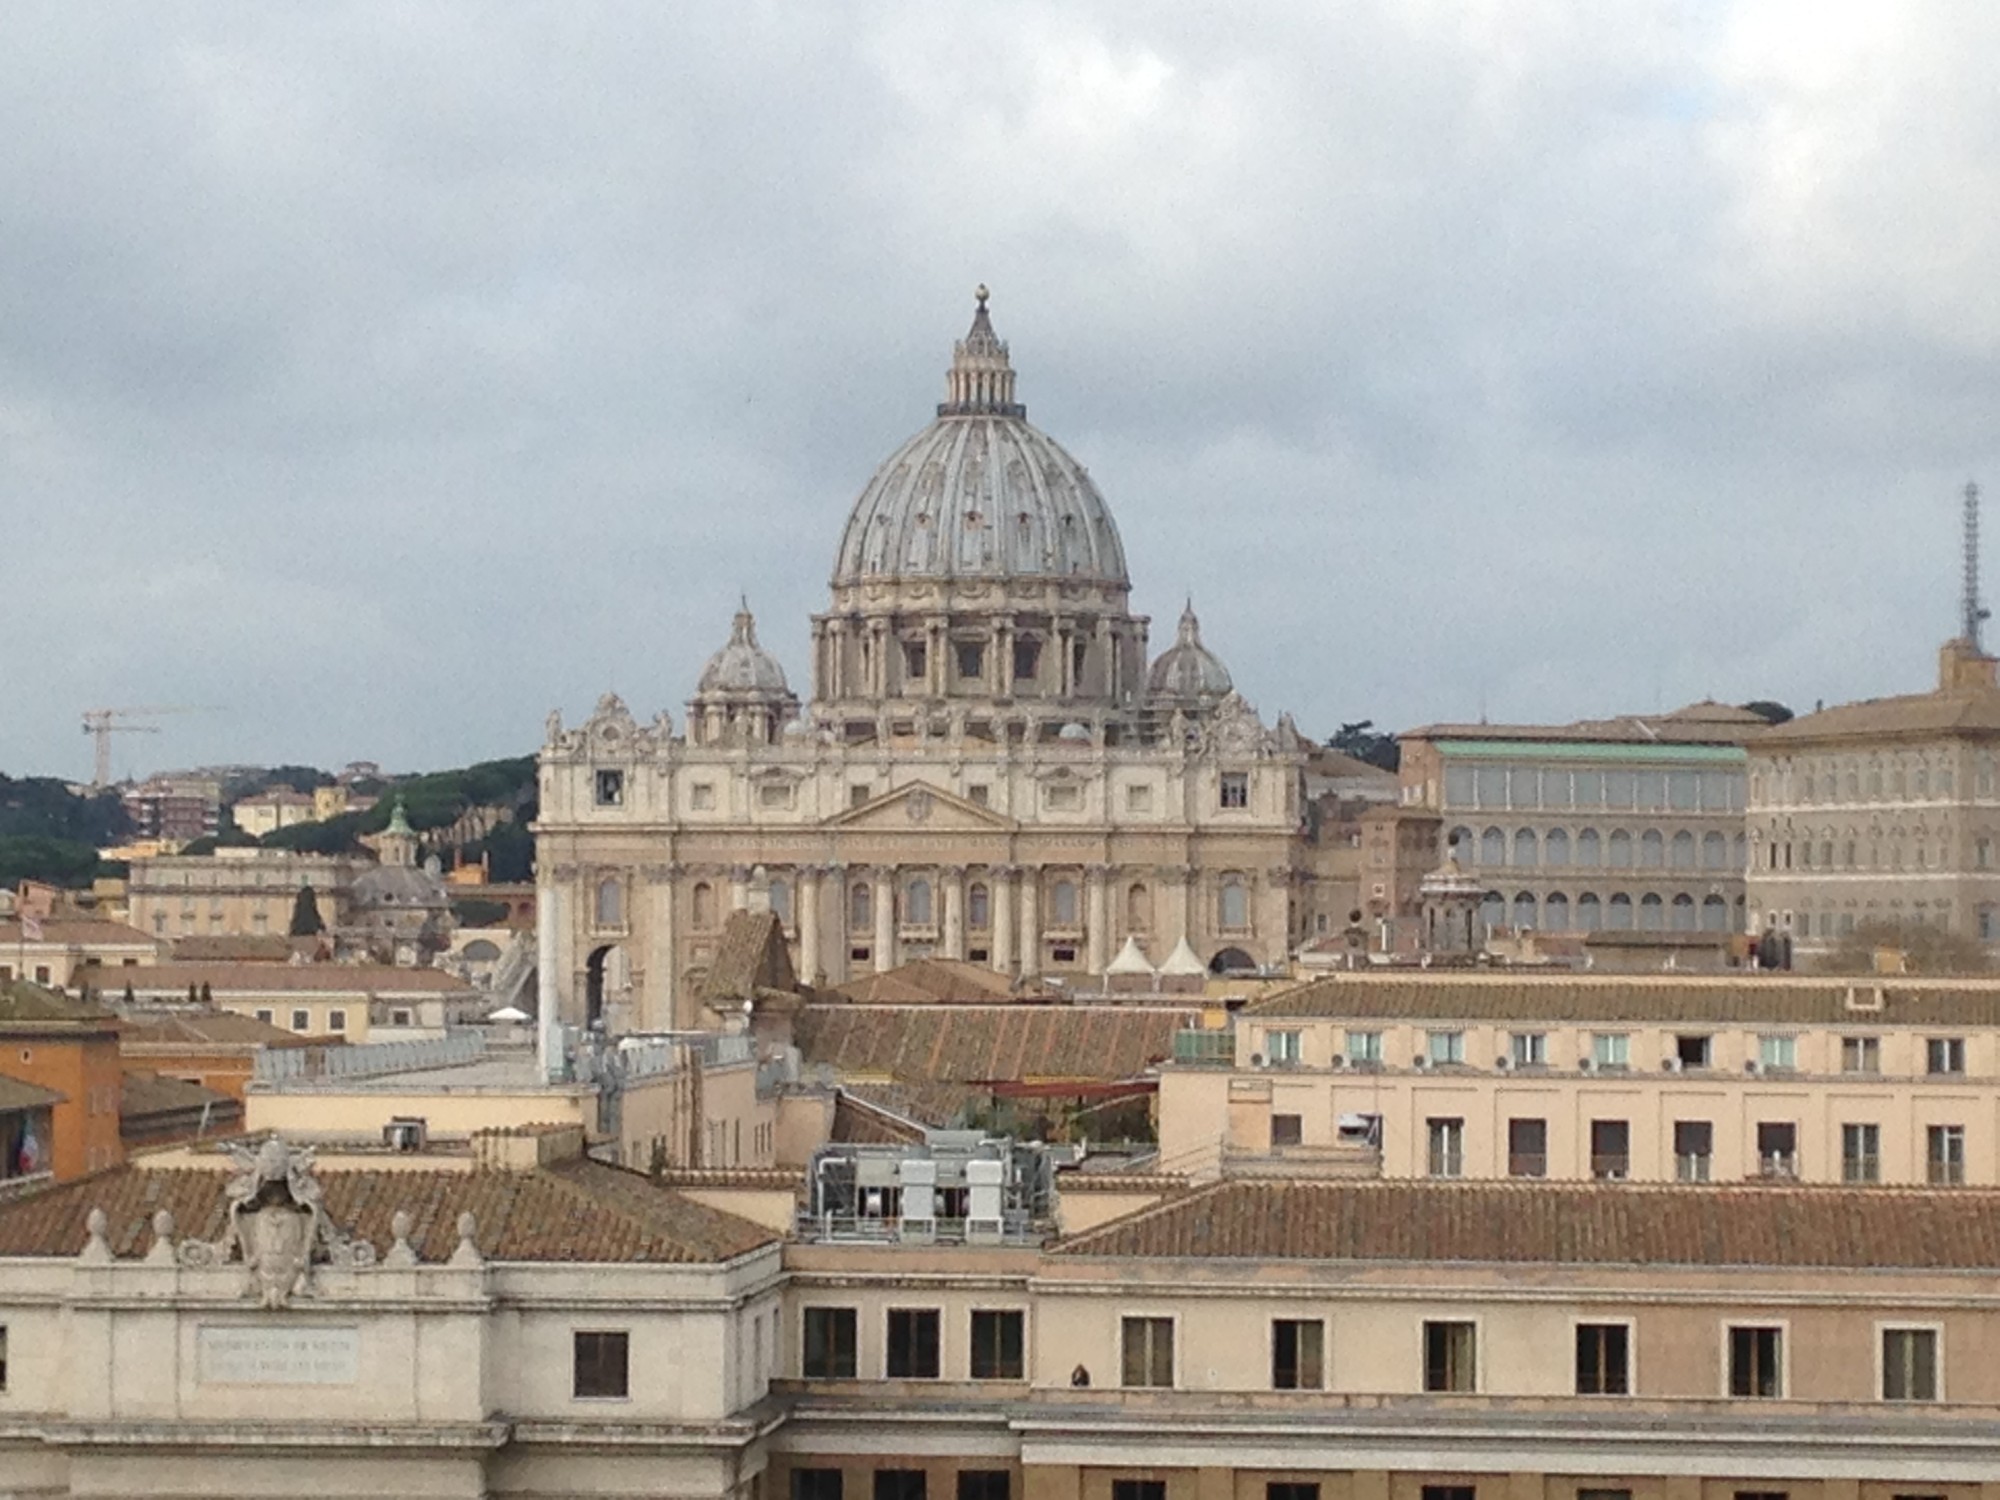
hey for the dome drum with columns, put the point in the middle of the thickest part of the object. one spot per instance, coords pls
(989, 767)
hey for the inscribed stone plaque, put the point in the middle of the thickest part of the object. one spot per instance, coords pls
(277, 1354)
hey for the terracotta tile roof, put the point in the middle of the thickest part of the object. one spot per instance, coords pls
(154, 1094)
(578, 1211)
(988, 1043)
(1706, 723)
(930, 981)
(862, 1117)
(258, 948)
(1748, 999)
(750, 959)
(1563, 1224)
(1960, 711)
(206, 1028)
(17, 1094)
(78, 932)
(30, 1007)
(252, 978)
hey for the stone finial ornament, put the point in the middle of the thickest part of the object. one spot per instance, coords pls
(97, 1249)
(401, 1255)
(162, 1252)
(467, 1253)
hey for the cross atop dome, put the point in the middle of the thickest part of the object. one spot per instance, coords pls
(981, 381)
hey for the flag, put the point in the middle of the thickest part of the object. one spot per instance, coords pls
(31, 927)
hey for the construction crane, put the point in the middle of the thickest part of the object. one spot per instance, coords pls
(102, 723)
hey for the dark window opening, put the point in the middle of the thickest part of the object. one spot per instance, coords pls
(1694, 1146)
(610, 788)
(1278, 1489)
(899, 1484)
(1610, 1149)
(1298, 1354)
(600, 1362)
(830, 1343)
(982, 1484)
(996, 1346)
(913, 1344)
(1138, 1489)
(1449, 1350)
(1287, 1130)
(1148, 1352)
(1235, 789)
(816, 1484)
(1603, 1355)
(971, 663)
(1027, 657)
(1778, 1148)
(1754, 1362)
(1527, 1148)
(1692, 1051)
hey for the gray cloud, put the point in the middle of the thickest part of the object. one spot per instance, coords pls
(388, 375)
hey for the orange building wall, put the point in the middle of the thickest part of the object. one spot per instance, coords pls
(85, 1070)
(225, 1072)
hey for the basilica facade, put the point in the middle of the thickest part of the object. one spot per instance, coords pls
(991, 765)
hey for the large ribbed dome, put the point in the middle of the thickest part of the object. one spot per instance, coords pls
(980, 493)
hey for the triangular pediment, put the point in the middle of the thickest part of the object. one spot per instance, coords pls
(920, 807)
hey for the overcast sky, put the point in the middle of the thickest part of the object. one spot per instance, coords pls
(383, 376)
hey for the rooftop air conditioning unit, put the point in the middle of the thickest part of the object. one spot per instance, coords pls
(1754, 1069)
(1339, 1061)
(1256, 1059)
(1421, 1060)
(1503, 1062)
(408, 1133)
(1671, 1065)
(1586, 1065)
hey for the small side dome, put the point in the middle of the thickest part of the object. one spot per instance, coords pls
(1075, 734)
(743, 668)
(1187, 671)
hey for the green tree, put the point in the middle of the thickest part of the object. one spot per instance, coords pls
(306, 920)
(1769, 710)
(1360, 740)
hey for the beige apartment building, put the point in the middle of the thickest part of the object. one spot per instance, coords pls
(1883, 811)
(513, 1320)
(1648, 1079)
(236, 892)
(1626, 824)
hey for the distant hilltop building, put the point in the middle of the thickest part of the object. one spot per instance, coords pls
(991, 764)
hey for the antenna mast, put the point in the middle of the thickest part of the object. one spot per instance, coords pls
(1975, 613)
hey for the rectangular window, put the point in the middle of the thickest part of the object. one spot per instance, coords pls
(979, 794)
(816, 1484)
(600, 1362)
(913, 1343)
(1235, 789)
(1603, 1359)
(1447, 1147)
(971, 660)
(1364, 1047)
(1298, 1350)
(1288, 1130)
(1279, 1489)
(1778, 1053)
(3, 1356)
(982, 1484)
(1860, 1054)
(1281, 1046)
(899, 1484)
(1445, 1046)
(1138, 799)
(1778, 1148)
(1610, 1150)
(1860, 1153)
(1148, 1351)
(1027, 657)
(1944, 1054)
(1909, 1364)
(266, 1016)
(1693, 1051)
(830, 1343)
(1756, 1361)
(1694, 1148)
(913, 660)
(857, 794)
(1611, 1049)
(1449, 1351)
(1944, 1155)
(302, 1020)
(1449, 1492)
(336, 1020)
(1138, 1489)
(1529, 1049)
(1527, 1148)
(996, 1345)
(610, 788)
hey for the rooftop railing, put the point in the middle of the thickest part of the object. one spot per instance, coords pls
(456, 1048)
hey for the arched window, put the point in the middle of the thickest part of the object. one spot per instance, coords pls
(1555, 847)
(610, 902)
(1493, 847)
(1740, 852)
(860, 906)
(1460, 843)
(1683, 913)
(781, 901)
(1619, 917)
(1923, 781)
(1138, 908)
(702, 901)
(1524, 911)
(1589, 912)
(1526, 855)
(917, 902)
(1062, 903)
(1683, 850)
(1232, 904)
(1652, 849)
(1619, 850)
(1714, 851)
(1492, 910)
(1652, 913)
(978, 908)
(1714, 914)
(1589, 849)
(1555, 912)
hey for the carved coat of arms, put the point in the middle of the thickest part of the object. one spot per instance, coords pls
(278, 1226)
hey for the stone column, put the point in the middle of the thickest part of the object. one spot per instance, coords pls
(1000, 909)
(1031, 922)
(1097, 919)
(805, 908)
(657, 995)
(739, 887)
(548, 987)
(951, 892)
(884, 952)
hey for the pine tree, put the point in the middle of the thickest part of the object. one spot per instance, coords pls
(306, 921)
